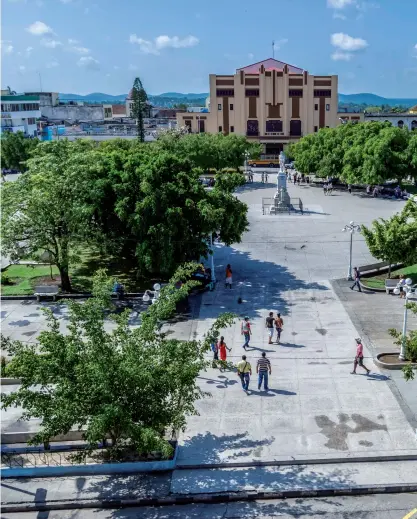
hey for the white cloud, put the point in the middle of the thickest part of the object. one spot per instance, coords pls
(133, 68)
(6, 47)
(72, 42)
(52, 64)
(51, 44)
(22, 69)
(116, 67)
(250, 55)
(278, 44)
(79, 50)
(341, 56)
(39, 28)
(345, 42)
(88, 62)
(163, 42)
(339, 16)
(339, 4)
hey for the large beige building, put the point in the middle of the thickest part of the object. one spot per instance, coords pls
(270, 102)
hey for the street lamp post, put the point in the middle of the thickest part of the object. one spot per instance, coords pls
(213, 274)
(407, 289)
(155, 292)
(352, 228)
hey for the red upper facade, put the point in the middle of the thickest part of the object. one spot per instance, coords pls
(270, 64)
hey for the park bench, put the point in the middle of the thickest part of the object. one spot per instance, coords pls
(46, 290)
(390, 285)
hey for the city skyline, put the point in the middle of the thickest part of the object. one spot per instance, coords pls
(78, 46)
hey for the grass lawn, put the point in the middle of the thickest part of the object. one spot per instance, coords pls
(25, 277)
(379, 280)
(123, 269)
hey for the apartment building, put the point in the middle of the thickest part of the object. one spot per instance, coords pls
(271, 102)
(20, 113)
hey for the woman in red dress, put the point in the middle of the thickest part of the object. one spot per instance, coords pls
(222, 350)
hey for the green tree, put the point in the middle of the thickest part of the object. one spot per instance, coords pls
(394, 240)
(16, 149)
(139, 98)
(181, 106)
(154, 201)
(132, 385)
(51, 207)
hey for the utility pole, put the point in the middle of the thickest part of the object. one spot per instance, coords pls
(40, 80)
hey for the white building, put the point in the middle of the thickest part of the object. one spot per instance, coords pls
(20, 113)
(402, 120)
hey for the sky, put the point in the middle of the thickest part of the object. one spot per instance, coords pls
(84, 46)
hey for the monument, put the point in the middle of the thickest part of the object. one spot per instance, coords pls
(281, 197)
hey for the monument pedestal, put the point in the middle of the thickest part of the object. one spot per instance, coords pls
(282, 201)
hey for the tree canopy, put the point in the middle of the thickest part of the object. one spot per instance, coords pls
(142, 201)
(130, 384)
(139, 107)
(371, 152)
(16, 149)
(394, 240)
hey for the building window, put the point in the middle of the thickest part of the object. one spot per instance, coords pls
(252, 128)
(316, 107)
(252, 92)
(31, 120)
(219, 107)
(201, 126)
(315, 129)
(107, 113)
(322, 93)
(225, 93)
(273, 126)
(295, 128)
(400, 124)
(220, 129)
(327, 126)
(188, 125)
(232, 129)
(231, 106)
(327, 108)
(295, 93)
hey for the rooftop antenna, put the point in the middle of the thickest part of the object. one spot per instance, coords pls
(40, 80)
(273, 49)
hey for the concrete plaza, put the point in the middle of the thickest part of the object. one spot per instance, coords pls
(315, 408)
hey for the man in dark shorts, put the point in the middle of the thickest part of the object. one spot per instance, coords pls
(269, 323)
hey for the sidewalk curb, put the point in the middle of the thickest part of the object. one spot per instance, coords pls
(313, 461)
(187, 499)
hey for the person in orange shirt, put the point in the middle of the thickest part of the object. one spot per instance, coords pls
(359, 358)
(228, 281)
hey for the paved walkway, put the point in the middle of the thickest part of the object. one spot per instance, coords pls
(315, 408)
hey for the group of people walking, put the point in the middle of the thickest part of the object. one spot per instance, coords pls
(274, 326)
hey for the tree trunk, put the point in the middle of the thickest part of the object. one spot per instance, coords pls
(389, 271)
(65, 279)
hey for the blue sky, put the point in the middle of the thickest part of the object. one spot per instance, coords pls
(83, 46)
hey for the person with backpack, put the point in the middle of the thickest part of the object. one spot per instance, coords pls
(244, 371)
(359, 358)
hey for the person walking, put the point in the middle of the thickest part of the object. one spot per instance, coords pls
(279, 324)
(246, 331)
(244, 371)
(325, 188)
(401, 285)
(357, 279)
(262, 177)
(228, 280)
(359, 358)
(349, 188)
(222, 347)
(215, 350)
(269, 323)
(263, 368)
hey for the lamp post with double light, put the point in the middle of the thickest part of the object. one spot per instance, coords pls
(155, 294)
(408, 291)
(352, 228)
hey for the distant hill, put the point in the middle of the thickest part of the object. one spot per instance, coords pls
(171, 98)
(374, 100)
